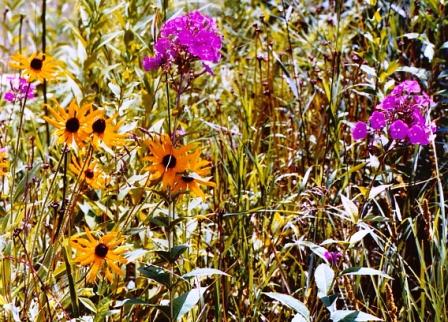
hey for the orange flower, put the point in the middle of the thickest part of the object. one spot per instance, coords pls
(38, 66)
(167, 160)
(97, 253)
(193, 176)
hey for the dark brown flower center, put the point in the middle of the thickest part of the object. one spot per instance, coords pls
(169, 161)
(72, 125)
(89, 173)
(187, 179)
(36, 63)
(99, 126)
(101, 250)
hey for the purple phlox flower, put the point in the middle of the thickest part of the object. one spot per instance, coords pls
(417, 117)
(204, 44)
(152, 63)
(398, 130)
(191, 37)
(9, 96)
(408, 86)
(423, 101)
(377, 120)
(359, 131)
(20, 88)
(332, 257)
(390, 103)
(418, 135)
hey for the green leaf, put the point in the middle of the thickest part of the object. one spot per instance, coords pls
(291, 302)
(364, 271)
(359, 235)
(135, 254)
(299, 318)
(421, 73)
(184, 303)
(351, 210)
(368, 70)
(352, 316)
(88, 304)
(135, 301)
(324, 276)
(115, 89)
(316, 249)
(157, 274)
(174, 254)
(198, 272)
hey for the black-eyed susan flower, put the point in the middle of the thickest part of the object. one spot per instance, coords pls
(194, 176)
(38, 66)
(105, 130)
(71, 124)
(92, 174)
(167, 160)
(3, 161)
(96, 253)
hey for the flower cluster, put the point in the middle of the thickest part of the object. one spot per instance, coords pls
(179, 168)
(332, 257)
(402, 114)
(75, 125)
(186, 38)
(19, 89)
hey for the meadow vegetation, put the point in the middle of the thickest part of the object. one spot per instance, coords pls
(281, 160)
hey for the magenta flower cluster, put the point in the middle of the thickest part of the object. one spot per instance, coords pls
(19, 89)
(402, 115)
(186, 38)
(332, 257)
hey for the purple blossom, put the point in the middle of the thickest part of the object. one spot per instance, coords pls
(152, 63)
(398, 130)
(332, 257)
(19, 89)
(185, 39)
(9, 96)
(418, 135)
(359, 132)
(389, 103)
(377, 120)
(402, 114)
(408, 86)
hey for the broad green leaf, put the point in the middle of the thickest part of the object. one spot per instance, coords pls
(88, 304)
(351, 210)
(359, 235)
(299, 318)
(324, 276)
(115, 89)
(198, 272)
(375, 191)
(135, 254)
(421, 73)
(184, 303)
(135, 301)
(352, 316)
(174, 254)
(316, 249)
(364, 271)
(368, 70)
(291, 302)
(156, 273)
